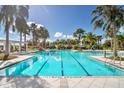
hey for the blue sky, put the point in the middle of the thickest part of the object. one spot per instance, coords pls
(60, 20)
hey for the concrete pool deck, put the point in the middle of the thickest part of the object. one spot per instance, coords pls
(119, 64)
(62, 82)
(15, 60)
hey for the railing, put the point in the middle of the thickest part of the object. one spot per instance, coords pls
(120, 52)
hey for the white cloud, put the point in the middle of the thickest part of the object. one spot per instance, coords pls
(11, 32)
(58, 34)
(29, 23)
(39, 25)
(64, 36)
(2, 38)
(69, 36)
(121, 30)
(49, 40)
(103, 40)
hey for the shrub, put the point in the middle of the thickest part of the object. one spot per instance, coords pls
(6, 57)
(76, 47)
(69, 47)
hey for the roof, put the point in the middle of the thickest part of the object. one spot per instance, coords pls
(13, 41)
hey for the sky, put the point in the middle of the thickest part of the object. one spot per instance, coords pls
(61, 21)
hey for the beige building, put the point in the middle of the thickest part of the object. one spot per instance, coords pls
(14, 45)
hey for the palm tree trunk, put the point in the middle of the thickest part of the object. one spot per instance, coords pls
(121, 45)
(7, 44)
(25, 45)
(20, 44)
(33, 39)
(114, 44)
(44, 41)
(111, 44)
(98, 44)
(36, 43)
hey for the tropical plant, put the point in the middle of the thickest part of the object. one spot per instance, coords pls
(109, 17)
(7, 18)
(44, 35)
(33, 28)
(10, 15)
(73, 41)
(109, 34)
(63, 41)
(79, 34)
(90, 39)
(98, 40)
(107, 44)
(120, 39)
(21, 24)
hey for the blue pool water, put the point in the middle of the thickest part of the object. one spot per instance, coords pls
(62, 63)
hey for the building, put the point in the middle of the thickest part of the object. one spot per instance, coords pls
(14, 45)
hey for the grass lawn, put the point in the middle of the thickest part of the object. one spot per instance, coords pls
(3, 57)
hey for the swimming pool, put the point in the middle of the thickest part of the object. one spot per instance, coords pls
(62, 63)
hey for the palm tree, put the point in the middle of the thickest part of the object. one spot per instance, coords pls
(90, 39)
(98, 39)
(73, 42)
(7, 17)
(22, 28)
(41, 33)
(21, 24)
(107, 44)
(63, 41)
(109, 17)
(79, 34)
(33, 28)
(37, 34)
(120, 39)
(109, 33)
(44, 36)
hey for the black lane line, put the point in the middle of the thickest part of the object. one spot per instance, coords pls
(42, 67)
(62, 70)
(80, 65)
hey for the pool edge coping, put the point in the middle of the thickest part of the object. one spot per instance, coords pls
(14, 63)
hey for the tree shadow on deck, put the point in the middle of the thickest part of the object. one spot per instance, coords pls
(24, 82)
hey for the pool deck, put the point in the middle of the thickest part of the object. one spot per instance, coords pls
(62, 82)
(19, 58)
(119, 64)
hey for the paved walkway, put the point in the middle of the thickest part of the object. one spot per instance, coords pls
(13, 61)
(119, 64)
(49, 82)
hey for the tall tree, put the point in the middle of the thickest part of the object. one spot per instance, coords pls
(33, 28)
(109, 34)
(109, 17)
(79, 33)
(98, 38)
(7, 17)
(120, 39)
(21, 24)
(44, 36)
(90, 39)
